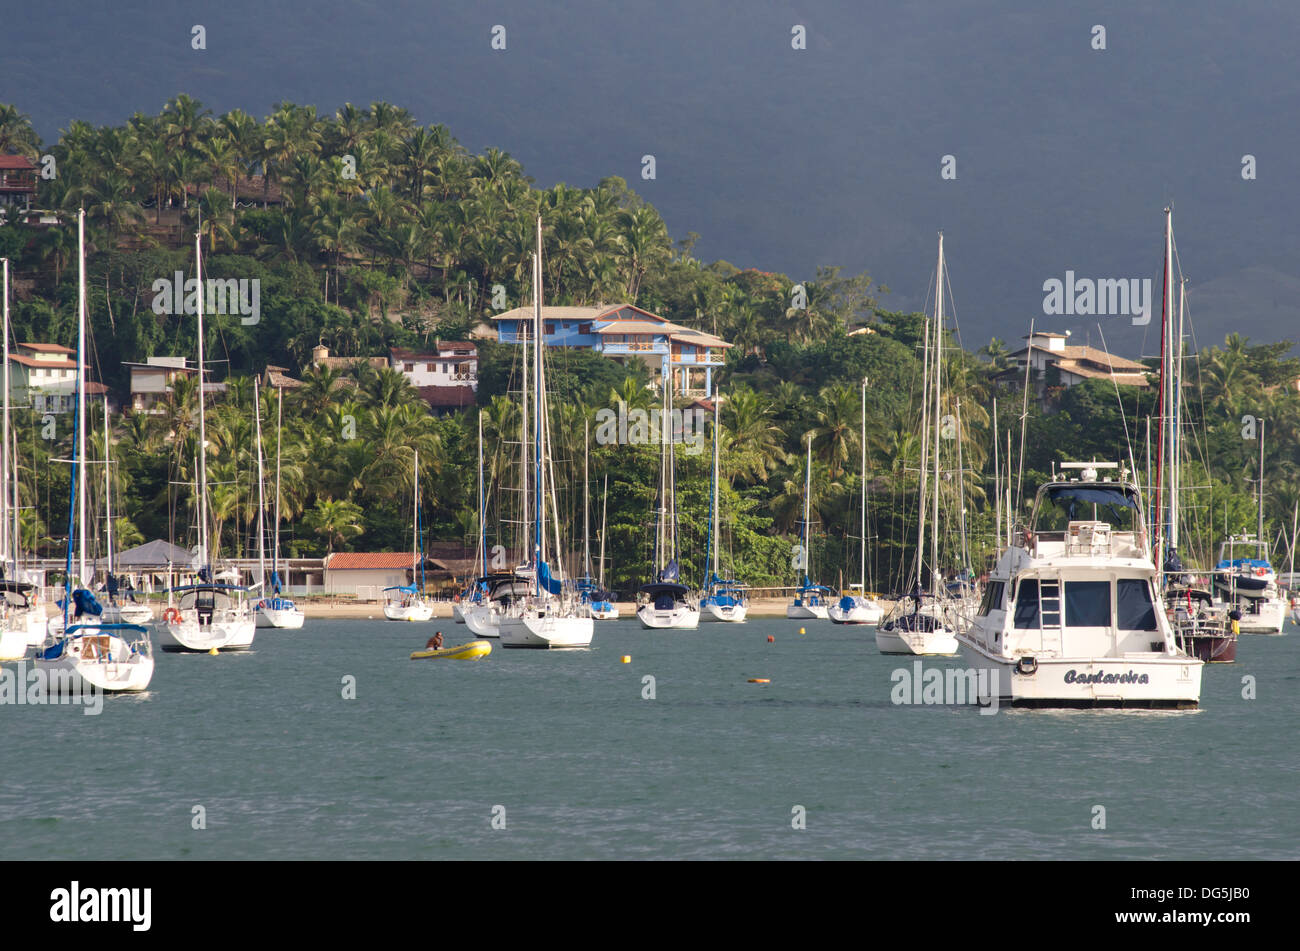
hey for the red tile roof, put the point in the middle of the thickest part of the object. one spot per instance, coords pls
(374, 561)
(46, 348)
(16, 161)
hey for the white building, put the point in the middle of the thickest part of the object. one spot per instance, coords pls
(44, 376)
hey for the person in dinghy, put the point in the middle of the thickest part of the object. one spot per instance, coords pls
(435, 642)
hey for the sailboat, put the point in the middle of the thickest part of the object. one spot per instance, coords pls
(724, 599)
(665, 603)
(551, 615)
(407, 602)
(1202, 628)
(129, 610)
(212, 613)
(599, 602)
(858, 607)
(915, 625)
(86, 652)
(810, 600)
(277, 610)
(473, 595)
(1244, 576)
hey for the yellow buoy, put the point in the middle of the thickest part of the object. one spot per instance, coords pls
(627, 658)
(214, 652)
(802, 631)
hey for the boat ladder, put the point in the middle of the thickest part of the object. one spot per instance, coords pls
(1049, 611)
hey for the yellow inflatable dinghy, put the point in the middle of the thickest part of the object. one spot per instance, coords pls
(474, 650)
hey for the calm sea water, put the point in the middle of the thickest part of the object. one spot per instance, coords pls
(582, 767)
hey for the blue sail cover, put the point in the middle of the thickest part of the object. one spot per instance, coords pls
(275, 582)
(670, 572)
(85, 603)
(547, 581)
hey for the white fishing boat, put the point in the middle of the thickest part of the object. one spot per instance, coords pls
(214, 612)
(665, 603)
(275, 610)
(857, 606)
(84, 652)
(407, 602)
(551, 615)
(1072, 615)
(811, 601)
(916, 625)
(725, 599)
(1246, 580)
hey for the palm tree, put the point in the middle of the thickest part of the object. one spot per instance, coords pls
(335, 521)
(17, 134)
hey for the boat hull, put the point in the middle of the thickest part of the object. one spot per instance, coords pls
(812, 612)
(284, 618)
(484, 621)
(1262, 616)
(14, 643)
(187, 635)
(1171, 681)
(546, 631)
(682, 617)
(940, 643)
(408, 612)
(732, 613)
(859, 614)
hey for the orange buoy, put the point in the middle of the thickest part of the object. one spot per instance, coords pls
(627, 658)
(759, 680)
(771, 639)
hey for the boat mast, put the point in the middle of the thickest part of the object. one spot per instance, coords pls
(586, 499)
(203, 430)
(997, 482)
(604, 509)
(864, 486)
(81, 394)
(482, 527)
(1164, 406)
(261, 500)
(713, 501)
(526, 548)
(1176, 405)
(807, 514)
(539, 539)
(924, 469)
(1259, 533)
(275, 544)
(108, 498)
(938, 366)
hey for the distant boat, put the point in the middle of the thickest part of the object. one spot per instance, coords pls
(724, 599)
(129, 611)
(811, 600)
(213, 613)
(550, 616)
(665, 603)
(407, 602)
(599, 602)
(276, 610)
(857, 606)
(85, 652)
(929, 626)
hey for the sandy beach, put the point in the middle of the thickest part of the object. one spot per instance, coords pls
(345, 608)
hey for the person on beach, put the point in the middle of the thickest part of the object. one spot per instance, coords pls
(435, 642)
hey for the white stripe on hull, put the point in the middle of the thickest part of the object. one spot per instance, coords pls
(735, 613)
(816, 612)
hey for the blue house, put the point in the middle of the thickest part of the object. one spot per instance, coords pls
(625, 332)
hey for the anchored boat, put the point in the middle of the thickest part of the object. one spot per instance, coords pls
(1072, 614)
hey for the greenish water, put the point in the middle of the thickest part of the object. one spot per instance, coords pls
(585, 768)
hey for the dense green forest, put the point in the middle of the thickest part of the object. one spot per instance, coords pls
(373, 231)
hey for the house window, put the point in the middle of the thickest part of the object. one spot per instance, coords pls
(584, 328)
(410, 368)
(550, 329)
(429, 367)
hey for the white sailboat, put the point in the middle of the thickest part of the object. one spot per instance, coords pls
(724, 599)
(212, 613)
(21, 607)
(598, 601)
(915, 625)
(810, 600)
(129, 610)
(665, 603)
(857, 606)
(407, 602)
(85, 652)
(551, 615)
(276, 610)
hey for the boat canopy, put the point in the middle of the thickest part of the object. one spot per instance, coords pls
(664, 587)
(213, 586)
(1066, 501)
(404, 588)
